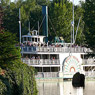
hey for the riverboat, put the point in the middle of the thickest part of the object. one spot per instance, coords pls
(56, 60)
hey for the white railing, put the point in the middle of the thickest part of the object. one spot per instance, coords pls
(40, 61)
(55, 49)
(89, 61)
(90, 74)
(47, 75)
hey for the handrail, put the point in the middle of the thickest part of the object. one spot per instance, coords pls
(41, 61)
(90, 74)
(55, 49)
(89, 61)
(47, 74)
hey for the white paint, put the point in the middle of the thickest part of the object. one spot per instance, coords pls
(74, 64)
(62, 56)
(80, 91)
(61, 88)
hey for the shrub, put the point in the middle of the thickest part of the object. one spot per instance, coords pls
(18, 80)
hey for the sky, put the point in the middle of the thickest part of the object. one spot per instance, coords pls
(76, 2)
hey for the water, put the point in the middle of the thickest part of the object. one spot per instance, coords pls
(65, 88)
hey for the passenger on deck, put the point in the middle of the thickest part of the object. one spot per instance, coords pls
(53, 60)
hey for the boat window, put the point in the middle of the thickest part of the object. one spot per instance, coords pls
(24, 38)
(34, 32)
(38, 69)
(35, 39)
(29, 39)
(32, 39)
(43, 39)
(39, 39)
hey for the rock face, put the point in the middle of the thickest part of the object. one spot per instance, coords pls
(78, 80)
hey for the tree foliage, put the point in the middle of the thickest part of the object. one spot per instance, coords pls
(1, 18)
(8, 51)
(79, 36)
(16, 78)
(60, 17)
(61, 12)
(11, 19)
(89, 19)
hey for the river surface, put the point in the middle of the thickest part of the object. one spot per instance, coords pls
(65, 88)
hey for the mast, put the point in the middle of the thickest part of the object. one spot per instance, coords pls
(29, 26)
(19, 26)
(72, 28)
(73, 21)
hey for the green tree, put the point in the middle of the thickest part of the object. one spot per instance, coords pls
(16, 78)
(11, 19)
(89, 19)
(79, 36)
(61, 17)
(11, 15)
(8, 51)
(5, 2)
(60, 14)
(35, 16)
(43, 2)
(1, 18)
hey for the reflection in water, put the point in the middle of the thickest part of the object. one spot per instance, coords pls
(79, 91)
(64, 88)
(48, 88)
(61, 88)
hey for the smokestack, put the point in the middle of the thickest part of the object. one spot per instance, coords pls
(45, 22)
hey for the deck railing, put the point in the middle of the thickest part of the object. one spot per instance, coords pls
(40, 61)
(53, 61)
(89, 61)
(47, 75)
(90, 74)
(55, 49)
